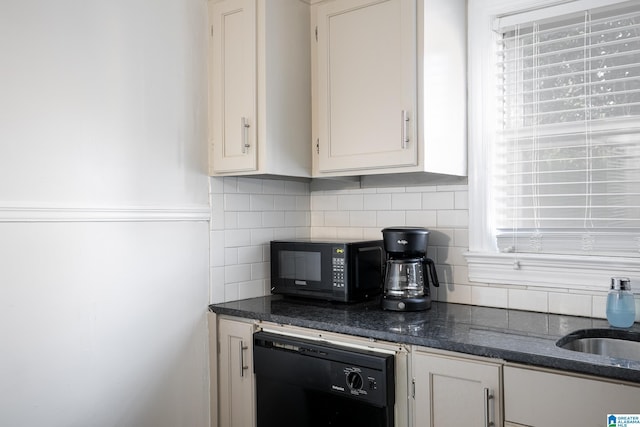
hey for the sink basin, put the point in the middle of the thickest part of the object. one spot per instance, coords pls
(619, 344)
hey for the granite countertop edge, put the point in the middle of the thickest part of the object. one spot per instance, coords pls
(510, 346)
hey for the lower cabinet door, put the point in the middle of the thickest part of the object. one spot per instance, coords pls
(236, 381)
(451, 391)
(541, 398)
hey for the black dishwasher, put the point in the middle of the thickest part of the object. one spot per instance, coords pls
(307, 383)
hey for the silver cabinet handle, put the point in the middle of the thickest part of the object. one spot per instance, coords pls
(487, 396)
(245, 137)
(405, 130)
(242, 365)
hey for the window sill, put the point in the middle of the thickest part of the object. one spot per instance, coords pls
(581, 273)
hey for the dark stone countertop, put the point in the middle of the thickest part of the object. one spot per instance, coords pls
(511, 335)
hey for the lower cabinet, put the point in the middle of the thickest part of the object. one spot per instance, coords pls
(236, 382)
(456, 391)
(540, 398)
(449, 389)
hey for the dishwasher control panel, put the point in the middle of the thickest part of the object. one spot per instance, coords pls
(358, 381)
(363, 375)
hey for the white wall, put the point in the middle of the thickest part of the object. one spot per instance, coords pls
(102, 101)
(103, 213)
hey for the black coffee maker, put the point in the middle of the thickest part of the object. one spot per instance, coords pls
(406, 285)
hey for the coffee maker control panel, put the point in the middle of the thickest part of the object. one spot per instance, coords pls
(337, 269)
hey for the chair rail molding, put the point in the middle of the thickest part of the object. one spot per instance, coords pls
(44, 212)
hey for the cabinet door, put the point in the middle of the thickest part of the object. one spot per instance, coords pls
(366, 84)
(233, 86)
(455, 392)
(236, 382)
(574, 400)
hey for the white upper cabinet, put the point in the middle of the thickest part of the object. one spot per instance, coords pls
(366, 84)
(233, 91)
(259, 88)
(390, 87)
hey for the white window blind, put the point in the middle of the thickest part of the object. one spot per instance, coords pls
(567, 160)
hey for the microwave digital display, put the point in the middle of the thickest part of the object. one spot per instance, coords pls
(302, 266)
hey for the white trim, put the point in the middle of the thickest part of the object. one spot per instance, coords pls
(25, 212)
(538, 14)
(324, 339)
(586, 273)
(481, 127)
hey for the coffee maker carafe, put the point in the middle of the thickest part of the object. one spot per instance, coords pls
(406, 285)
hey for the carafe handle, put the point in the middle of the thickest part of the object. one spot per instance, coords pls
(428, 262)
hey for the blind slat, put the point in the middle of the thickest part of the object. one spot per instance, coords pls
(623, 128)
(527, 52)
(578, 109)
(553, 35)
(533, 83)
(618, 127)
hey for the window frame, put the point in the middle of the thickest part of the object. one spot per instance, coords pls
(485, 263)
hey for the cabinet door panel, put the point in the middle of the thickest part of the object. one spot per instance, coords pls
(455, 392)
(366, 80)
(540, 398)
(235, 374)
(233, 86)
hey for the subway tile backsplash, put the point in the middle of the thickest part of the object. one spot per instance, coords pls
(247, 213)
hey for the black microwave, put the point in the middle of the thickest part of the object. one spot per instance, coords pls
(345, 271)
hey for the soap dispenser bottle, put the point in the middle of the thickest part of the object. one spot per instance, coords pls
(621, 305)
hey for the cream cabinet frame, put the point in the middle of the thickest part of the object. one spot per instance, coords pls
(541, 397)
(451, 390)
(233, 402)
(389, 87)
(259, 88)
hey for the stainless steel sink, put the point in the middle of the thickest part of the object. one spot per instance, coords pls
(619, 344)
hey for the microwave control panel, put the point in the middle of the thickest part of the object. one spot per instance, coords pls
(337, 266)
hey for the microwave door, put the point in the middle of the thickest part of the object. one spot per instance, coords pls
(303, 271)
